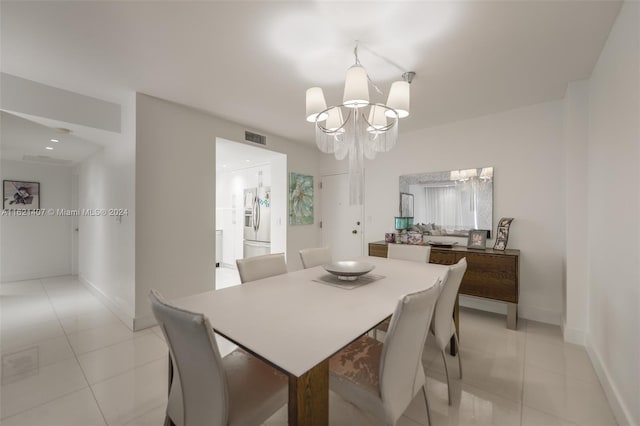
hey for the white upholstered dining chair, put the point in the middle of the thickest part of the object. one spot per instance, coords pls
(443, 327)
(383, 378)
(414, 253)
(315, 257)
(411, 252)
(206, 389)
(258, 267)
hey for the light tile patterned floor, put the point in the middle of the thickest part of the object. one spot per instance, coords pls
(67, 360)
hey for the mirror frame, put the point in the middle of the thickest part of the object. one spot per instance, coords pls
(445, 176)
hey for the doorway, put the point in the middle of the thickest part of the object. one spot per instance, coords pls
(251, 208)
(342, 224)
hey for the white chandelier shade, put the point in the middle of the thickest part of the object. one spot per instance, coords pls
(316, 104)
(399, 98)
(358, 128)
(356, 88)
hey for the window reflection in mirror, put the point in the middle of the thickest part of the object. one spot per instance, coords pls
(451, 203)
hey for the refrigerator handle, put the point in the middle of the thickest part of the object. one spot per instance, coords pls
(258, 212)
(255, 214)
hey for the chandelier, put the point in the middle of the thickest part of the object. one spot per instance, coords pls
(358, 128)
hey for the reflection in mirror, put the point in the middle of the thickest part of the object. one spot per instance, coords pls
(453, 202)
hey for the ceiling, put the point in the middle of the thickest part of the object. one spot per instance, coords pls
(251, 62)
(21, 137)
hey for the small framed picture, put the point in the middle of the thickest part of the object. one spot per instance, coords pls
(502, 234)
(20, 195)
(477, 239)
(406, 204)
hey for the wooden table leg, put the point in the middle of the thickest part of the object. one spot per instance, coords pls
(309, 397)
(453, 350)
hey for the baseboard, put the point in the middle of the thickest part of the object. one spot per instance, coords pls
(541, 315)
(621, 412)
(33, 276)
(572, 335)
(117, 309)
(146, 321)
(526, 312)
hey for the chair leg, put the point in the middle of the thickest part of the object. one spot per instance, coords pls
(426, 402)
(446, 371)
(459, 356)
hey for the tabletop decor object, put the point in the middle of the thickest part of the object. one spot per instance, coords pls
(349, 270)
(414, 237)
(502, 234)
(390, 237)
(300, 199)
(477, 239)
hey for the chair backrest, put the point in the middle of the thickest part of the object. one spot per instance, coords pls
(411, 252)
(442, 323)
(315, 257)
(258, 267)
(401, 360)
(199, 390)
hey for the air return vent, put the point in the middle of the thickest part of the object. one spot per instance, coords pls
(255, 138)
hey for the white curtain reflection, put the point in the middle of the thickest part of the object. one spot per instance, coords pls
(451, 206)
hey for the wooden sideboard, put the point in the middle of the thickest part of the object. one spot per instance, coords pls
(491, 274)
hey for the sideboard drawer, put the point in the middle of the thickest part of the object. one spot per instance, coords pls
(378, 250)
(493, 277)
(442, 258)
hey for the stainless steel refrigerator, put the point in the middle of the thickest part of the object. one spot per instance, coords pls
(257, 221)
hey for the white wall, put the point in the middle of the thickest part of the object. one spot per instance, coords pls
(37, 246)
(614, 212)
(175, 242)
(524, 146)
(575, 140)
(105, 244)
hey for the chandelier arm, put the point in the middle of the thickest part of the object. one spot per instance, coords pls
(342, 126)
(388, 126)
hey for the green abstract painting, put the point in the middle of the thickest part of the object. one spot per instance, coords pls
(300, 199)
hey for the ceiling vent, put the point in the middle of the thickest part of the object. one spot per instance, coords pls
(255, 138)
(46, 160)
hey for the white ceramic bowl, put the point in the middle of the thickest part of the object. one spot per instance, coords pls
(349, 270)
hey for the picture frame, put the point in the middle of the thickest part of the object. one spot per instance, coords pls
(300, 199)
(477, 239)
(502, 233)
(20, 195)
(406, 204)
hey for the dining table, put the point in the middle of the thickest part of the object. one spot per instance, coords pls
(296, 321)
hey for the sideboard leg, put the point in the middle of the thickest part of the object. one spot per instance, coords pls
(512, 316)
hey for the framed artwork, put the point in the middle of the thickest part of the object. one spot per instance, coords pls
(477, 239)
(406, 204)
(20, 195)
(300, 199)
(502, 233)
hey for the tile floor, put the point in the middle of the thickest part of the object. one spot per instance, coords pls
(67, 360)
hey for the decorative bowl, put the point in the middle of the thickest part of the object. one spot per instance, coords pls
(349, 270)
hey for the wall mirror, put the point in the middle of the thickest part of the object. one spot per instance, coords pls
(451, 202)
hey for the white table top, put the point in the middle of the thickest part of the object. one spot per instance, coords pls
(296, 323)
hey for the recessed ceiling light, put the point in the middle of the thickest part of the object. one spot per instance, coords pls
(54, 140)
(224, 166)
(50, 148)
(248, 161)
